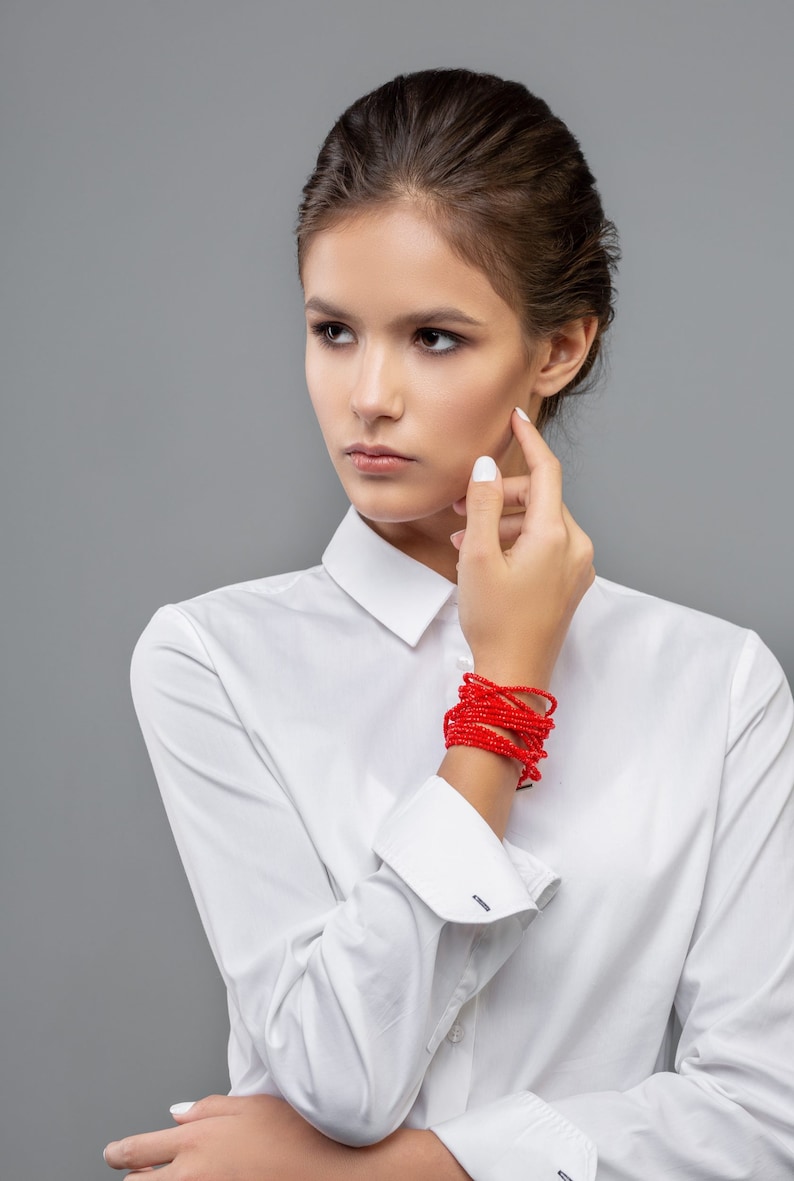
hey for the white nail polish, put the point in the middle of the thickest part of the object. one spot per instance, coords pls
(523, 414)
(180, 1108)
(484, 470)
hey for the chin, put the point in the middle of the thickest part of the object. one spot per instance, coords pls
(392, 504)
(381, 514)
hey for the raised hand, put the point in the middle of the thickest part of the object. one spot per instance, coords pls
(516, 604)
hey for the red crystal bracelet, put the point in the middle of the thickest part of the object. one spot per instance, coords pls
(484, 704)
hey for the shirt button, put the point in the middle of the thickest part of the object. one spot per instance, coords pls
(456, 1033)
(465, 663)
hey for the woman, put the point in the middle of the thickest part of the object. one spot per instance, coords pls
(431, 974)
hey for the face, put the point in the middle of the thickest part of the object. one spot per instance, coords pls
(414, 364)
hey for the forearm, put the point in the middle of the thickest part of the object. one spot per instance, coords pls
(406, 1155)
(486, 780)
(262, 1138)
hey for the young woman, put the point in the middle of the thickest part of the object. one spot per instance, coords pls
(431, 974)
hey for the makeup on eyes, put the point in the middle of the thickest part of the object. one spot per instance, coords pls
(325, 329)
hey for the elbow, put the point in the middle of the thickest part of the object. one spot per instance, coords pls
(350, 1114)
(353, 1130)
(353, 1089)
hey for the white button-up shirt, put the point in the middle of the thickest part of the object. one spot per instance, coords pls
(610, 987)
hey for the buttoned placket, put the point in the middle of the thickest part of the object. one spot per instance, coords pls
(457, 654)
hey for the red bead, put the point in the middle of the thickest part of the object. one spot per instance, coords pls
(484, 704)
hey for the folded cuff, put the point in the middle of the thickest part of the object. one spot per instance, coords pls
(516, 1138)
(446, 853)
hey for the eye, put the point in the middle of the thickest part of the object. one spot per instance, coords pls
(435, 341)
(329, 333)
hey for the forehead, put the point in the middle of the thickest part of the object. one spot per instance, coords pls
(395, 256)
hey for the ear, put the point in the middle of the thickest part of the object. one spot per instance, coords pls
(563, 355)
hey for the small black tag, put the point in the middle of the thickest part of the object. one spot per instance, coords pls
(564, 1176)
(485, 906)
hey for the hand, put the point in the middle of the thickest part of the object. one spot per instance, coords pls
(261, 1138)
(236, 1138)
(516, 605)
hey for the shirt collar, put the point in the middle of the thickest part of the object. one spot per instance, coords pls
(398, 591)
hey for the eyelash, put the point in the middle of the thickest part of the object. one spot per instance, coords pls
(321, 332)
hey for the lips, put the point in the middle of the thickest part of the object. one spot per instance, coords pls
(377, 460)
(364, 449)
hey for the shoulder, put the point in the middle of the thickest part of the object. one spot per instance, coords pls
(690, 651)
(640, 617)
(237, 603)
(231, 624)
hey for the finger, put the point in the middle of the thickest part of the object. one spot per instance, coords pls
(516, 490)
(544, 468)
(566, 516)
(509, 531)
(141, 1152)
(510, 528)
(483, 510)
(581, 540)
(185, 1113)
(180, 1111)
(514, 493)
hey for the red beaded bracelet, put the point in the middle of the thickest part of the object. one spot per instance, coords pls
(484, 704)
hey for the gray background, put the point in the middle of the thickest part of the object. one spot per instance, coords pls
(157, 439)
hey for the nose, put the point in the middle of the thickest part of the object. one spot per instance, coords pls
(378, 388)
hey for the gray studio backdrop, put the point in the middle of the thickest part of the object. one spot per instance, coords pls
(157, 439)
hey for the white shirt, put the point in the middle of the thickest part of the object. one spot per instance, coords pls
(611, 987)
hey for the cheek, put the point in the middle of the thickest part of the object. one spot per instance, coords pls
(480, 404)
(321, 389)
(313, 370)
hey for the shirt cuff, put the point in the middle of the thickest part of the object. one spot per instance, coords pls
(518, 1137)
(446, 853)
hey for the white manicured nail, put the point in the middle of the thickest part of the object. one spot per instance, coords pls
(181, 1108)
(523, 414)
(484, 470)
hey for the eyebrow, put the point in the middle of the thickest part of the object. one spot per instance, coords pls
(446, 315)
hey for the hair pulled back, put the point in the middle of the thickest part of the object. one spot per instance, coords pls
(504, 180)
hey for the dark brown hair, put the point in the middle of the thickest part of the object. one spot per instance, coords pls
(505, 181)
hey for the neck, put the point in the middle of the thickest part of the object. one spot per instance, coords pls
(426, 541)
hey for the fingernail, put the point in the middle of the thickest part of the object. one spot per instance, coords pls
(484, 470)
(105, 1152)
(181, 1108)
(523, 414)
(457, 537)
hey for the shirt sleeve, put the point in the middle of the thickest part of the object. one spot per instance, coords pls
(726, 1111)
(344, 1030)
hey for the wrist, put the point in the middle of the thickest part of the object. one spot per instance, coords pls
(486, 780)
(503, 674)
(498, 718)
